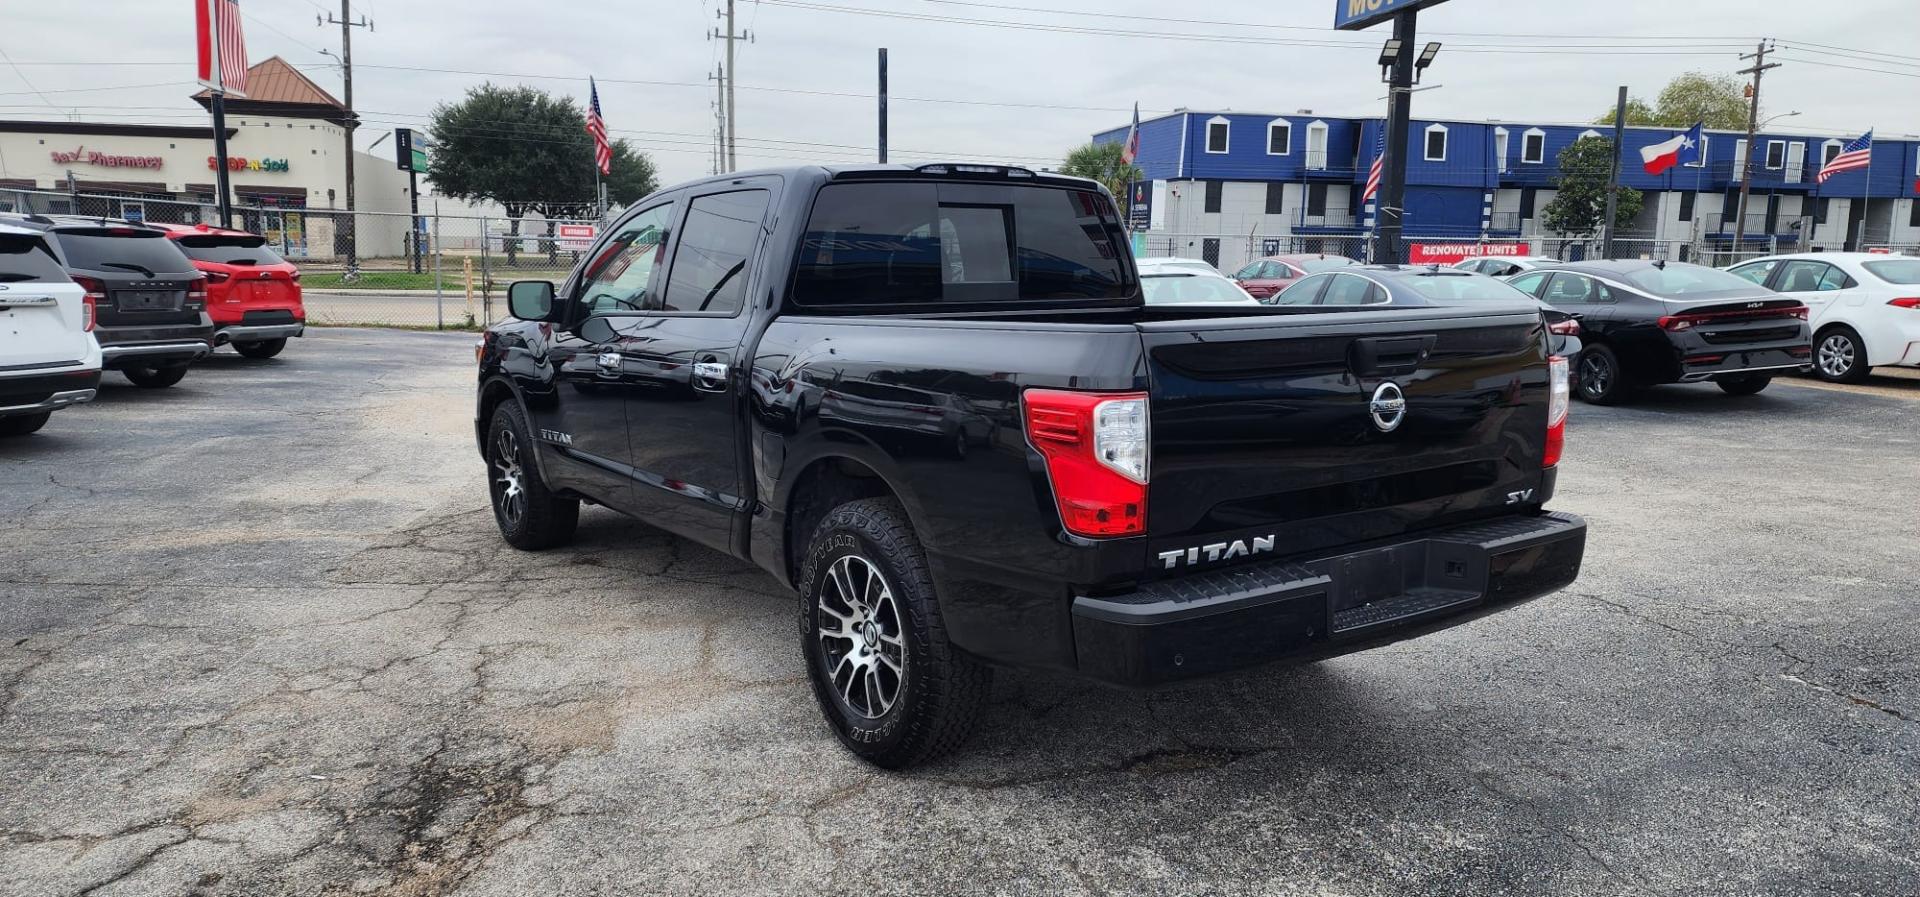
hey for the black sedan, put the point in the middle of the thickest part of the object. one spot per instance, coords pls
(1648, 322)
(1431, 285)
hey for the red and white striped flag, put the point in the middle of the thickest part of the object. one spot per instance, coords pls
(1379, 158)
(223, 48)
(602, 150)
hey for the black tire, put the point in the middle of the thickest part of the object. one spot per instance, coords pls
(1839, 356)
(530, 515)
(156, 378)
(263, 349)
(23, 424)
(1745, 384)
(894, 636)
(1600, 379)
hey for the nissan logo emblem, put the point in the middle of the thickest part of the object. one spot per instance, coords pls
(1389, 407)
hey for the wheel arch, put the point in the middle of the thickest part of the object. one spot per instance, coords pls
(494, 392)
(824, 482)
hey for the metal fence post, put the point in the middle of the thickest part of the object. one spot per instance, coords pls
(486, 265)
(439, 308)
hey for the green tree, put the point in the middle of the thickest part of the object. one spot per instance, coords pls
(1101, 162)
(1580, 208)
(1718, 100)
(529, 151)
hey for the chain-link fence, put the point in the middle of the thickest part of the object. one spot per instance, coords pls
(1232, 252)
(377, 268)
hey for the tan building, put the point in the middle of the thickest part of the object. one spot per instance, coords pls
(284, 147)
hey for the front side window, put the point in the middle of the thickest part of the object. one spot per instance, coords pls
(1529, 283)
(716, 244)
(1249, 271)
(621, 276)
(1756, 271)
(1304, 291)
(1347, 289)
(891, 244)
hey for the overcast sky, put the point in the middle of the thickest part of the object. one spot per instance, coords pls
(804, 51)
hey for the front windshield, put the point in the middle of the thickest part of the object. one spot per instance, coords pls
(1327, 263)
(1895, 270)
(1680, 279)
(1176, 287)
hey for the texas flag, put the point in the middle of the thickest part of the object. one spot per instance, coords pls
(1681, 149)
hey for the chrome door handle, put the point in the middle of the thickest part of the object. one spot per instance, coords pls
(710, 375)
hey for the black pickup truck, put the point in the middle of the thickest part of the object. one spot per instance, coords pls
(933, 402)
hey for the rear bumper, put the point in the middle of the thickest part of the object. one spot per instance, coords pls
(253, 333)
(1260, 613)
(46, 392)
(1712, 363)
(152, 354)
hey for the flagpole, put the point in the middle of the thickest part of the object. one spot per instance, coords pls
(1866, 198)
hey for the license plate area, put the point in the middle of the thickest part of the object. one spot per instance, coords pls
(147, 300)
(1387, 585)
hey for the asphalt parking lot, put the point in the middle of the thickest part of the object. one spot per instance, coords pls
(258, 635)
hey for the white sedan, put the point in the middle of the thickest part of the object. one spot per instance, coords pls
(1863, 307)
(1167, 282)
(1506, 265)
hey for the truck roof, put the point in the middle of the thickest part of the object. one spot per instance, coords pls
(957, 170)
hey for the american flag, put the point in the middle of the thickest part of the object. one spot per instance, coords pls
(1858, 153)
(1379, 157)
(222, 46)
(602, 150)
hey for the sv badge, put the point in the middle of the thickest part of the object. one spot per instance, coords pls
(1514, 498)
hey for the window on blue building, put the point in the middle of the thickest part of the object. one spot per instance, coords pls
(1276, 198)
(1533, 146)
(1436, 143)
(1776, 154)
(1317, 199)
(1686, 207)
(1279, 138)
(1217, 135)
(1213, 195)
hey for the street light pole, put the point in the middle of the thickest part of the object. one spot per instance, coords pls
(1393, 182)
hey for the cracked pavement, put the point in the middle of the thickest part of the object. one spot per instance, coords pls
(258, 636)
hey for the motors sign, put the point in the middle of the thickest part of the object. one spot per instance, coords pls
(1353, 15)
(82, 155)
(1449, 253)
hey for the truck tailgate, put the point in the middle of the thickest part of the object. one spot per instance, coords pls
(1266, 442)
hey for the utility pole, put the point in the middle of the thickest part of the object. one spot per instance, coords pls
(1760, 65)
(1613, 178)
(883, 105)
(1393, 181)
(730, 113)
(350, 121)
(719, 78)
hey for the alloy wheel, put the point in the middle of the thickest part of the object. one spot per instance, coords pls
(861, 637)
(1836, 355)
(1596, 375)
(509, 485)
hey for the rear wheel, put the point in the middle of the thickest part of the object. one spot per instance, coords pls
(1745, 384)
(262, 349)
(892, 686)
(1839, 356)
(530, 515)
(156, 378)
(1600, 379)
(23, 424)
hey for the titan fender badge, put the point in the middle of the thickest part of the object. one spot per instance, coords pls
(1388, 407)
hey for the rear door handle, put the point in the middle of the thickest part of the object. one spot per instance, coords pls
(710, 376)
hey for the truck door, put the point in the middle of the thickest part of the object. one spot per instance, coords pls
(682, 416)
(583, 421)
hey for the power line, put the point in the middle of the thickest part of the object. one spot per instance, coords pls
(24, 79)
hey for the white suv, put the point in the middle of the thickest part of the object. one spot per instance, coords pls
(1864, 307)
(48, 356)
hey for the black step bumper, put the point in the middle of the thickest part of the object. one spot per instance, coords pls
(1307, 610)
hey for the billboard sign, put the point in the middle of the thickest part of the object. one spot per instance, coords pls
(1449, 253)
(1353, 15)
(412, 150)
(1140, 205)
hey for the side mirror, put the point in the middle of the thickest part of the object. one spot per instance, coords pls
(530, 300)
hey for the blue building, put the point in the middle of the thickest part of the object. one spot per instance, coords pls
(1229, 186)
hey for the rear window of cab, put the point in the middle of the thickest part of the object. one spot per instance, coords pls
(121, 249)
(920, 243)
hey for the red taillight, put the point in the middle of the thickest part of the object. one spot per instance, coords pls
(295, 277)
(1568, 327)
(1677, 323)
(89, 304)
(1905, 302)
(1095, 446)
(1559, 402)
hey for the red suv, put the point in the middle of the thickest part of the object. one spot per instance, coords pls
(253, 295)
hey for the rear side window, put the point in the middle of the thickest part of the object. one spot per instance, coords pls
(894, 244)
(1346, 289)
(227, 249)
(1903, 271)
(122, 249)
(716, 244)
(1303, 291)
(27, 258)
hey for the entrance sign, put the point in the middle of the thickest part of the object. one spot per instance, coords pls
(573, 237)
